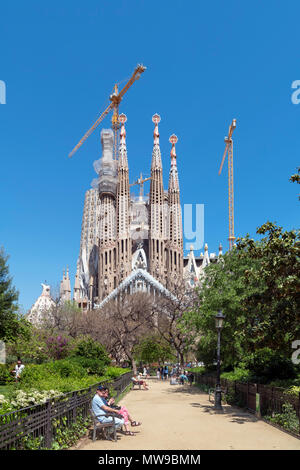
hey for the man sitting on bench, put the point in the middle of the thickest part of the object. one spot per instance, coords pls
(139, 382)
(101, 409)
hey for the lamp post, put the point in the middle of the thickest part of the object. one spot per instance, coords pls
(218, 392)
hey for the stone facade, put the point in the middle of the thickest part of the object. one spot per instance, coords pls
(122, 234)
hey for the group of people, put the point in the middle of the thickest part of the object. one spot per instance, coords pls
(177, 375)
(103, 404)
(163, 372)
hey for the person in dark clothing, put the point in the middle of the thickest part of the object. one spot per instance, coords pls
(190, 377)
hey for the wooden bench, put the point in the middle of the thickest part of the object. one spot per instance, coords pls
(136, 385)
(106, 428)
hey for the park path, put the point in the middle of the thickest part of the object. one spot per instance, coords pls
(176, 417)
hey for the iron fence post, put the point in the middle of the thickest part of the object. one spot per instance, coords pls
(299, 411)
(75, 407)
(48, 437)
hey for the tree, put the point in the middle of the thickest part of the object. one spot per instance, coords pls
(257, 288)
(9, 319)
(296, 178)
(153, 349)
(224, 288)
(65, 318)
(277, 305)
(170, 319)
(123, 323)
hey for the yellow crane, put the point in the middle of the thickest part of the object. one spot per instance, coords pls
(229, 150)
(140, 181)
(115, 100)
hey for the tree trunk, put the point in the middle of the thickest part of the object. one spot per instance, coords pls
(134, 368)
(181, 359)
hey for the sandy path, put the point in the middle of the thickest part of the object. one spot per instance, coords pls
(181, 418)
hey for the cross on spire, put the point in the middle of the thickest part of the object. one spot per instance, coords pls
(173, 140)
(156, 119)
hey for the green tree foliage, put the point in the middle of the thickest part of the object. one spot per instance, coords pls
(223, 289)
(265, 364)
(275, 308)
(153, 349)
(296, 178)
(257, 286)
(10, 326)
(89, 348)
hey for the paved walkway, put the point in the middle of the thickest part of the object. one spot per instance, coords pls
(178, 417)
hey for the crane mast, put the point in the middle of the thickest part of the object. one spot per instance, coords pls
(140, 181)
(229, 150)
(115, 100)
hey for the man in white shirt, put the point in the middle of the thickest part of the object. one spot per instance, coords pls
(18, 369)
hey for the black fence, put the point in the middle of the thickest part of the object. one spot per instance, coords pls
(264, 400)
(42, 422)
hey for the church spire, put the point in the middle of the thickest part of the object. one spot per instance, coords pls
(173, 178)
(123, 149)
(123, 206)
(156, 209)
(175, 251)
(156, 155)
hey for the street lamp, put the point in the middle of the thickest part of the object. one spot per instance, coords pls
(218, 392)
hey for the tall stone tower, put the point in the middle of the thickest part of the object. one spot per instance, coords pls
(156, 210)
(107, 273)
(129, 243)
(175, 240)
(123, 208)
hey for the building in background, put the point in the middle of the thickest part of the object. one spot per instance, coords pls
(132, 243)
(42, 306)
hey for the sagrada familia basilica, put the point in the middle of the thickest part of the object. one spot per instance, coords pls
(132, 243)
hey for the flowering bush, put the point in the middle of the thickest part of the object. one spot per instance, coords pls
(58, 346)
(5, 406)
(21, 399)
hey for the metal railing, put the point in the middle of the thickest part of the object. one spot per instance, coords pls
(264, 400)
(41, 422)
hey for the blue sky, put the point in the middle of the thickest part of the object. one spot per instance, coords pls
(207, 63)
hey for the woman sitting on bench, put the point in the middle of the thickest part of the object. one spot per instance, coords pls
(139, 382)
(122, 410)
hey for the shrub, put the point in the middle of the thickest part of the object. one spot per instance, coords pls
(198, 370)
(22, 399)
(5, 406)
(266, 364)
(5, 375)
(288, 419)
(114, 372)
(67, 375)
(239, 375)
(91, 366)
(57, 346)
(89, 348)
(294, 390)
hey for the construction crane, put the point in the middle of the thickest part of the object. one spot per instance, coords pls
(140, 181)
(115, 100)
(229, 149)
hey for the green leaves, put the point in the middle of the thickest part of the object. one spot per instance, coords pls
(257, 287)
(153, 349)
(8, 298)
